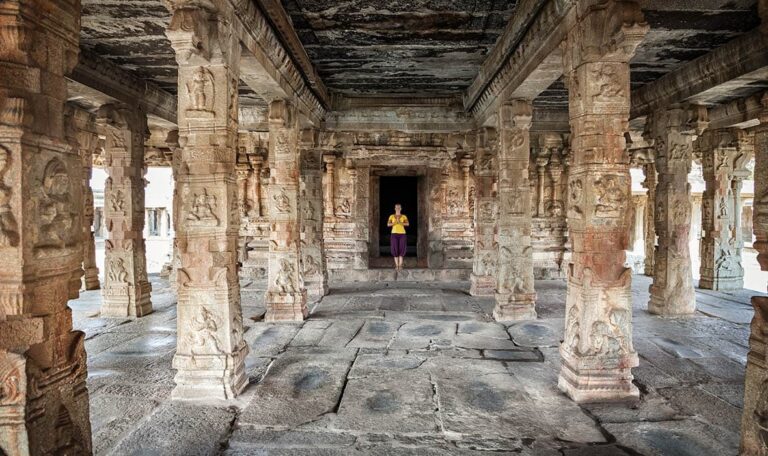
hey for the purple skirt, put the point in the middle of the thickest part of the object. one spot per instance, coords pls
(397, 243)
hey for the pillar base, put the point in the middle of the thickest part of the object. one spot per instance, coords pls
(91, 279)
(75, 282)
(721, 283)
(672, 301)
(210, 377)
(598, 378)
(127, 301)
(482, 285)
(316, 291)
(513, 307)
(286, 306)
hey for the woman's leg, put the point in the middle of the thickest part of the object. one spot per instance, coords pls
(393, 250)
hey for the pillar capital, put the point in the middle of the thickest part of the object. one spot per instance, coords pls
(605, 31)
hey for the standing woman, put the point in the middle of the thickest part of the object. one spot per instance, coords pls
(397, 240)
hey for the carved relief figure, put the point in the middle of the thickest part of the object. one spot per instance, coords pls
(309, 211)
(117, 201)
(56, 219)
(9, 235)
(610, 197)
(576, 190)
(203, 208)
(282, 202)
(311, 266)
(203, 337)
(609, 87)
(344, 209)
(285, 277)
(117, 271)
(201, 90)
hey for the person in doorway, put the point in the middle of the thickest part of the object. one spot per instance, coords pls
(398, 222)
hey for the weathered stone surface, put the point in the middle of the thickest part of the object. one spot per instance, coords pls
(673, 437)
(535, 334)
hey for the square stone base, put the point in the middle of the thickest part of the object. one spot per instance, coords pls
(598, 378)
(210, 377)
(482, 285)
(127, 301)
(286, 306)
(513, 307)
(721, 283)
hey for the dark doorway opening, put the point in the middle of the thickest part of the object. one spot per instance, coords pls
(402, 190)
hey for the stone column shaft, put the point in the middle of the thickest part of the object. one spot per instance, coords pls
(43, 395)
(126, 291)
(720, 248)
(754, 441)
(515, 295)
(210, 350)
(649, 225)
(597, 351)
(253, 188)
(672, 289)
(313, 264)
(328, 184)
(286, 297)
(486, 207)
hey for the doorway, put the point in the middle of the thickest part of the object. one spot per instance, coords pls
(401, 190)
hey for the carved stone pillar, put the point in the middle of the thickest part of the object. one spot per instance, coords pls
(43, 396)
(173, 277)
(328, 184)
(723, 159)
(126, 288)
(313, 265)
(541, 167)
(673, 133)
(210, 350)
(515, 296)
(754, 422)
(649, 224)
(253, 187)
(466, 163)
(286, 297)
(597, 351)
(483, 279)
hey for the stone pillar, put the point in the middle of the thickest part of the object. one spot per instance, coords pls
(466, 163)
(722, 157)
(253, 187)
(210, 349)
(126, 288)
(754, 422)
(175, 221)
(541, 167)
(673, 133)
(313, 265)
(483, 279)
(649, 223)
(328, 184)
(515, 296)
(286, 297)
(597, 351)
(43, 395)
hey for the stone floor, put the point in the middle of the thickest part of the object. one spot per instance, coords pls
(402, 368)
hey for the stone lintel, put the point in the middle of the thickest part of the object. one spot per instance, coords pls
(117, 84)
(708, 77)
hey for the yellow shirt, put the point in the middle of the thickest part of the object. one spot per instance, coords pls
(397, 223)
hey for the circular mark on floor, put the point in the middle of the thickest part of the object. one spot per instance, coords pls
(382, 401)
(378, 328)
(425, 330)
(312, 379)
(482, 396)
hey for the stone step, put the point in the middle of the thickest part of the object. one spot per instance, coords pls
(385, 275)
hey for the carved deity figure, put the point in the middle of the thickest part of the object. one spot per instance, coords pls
(203, 206)
(282, 202)
(284, 279)
(609, 87)
(311, 266)
(56, 218)
(309, 212)
(200, 90)
(117, 201)
(8, 228)
(344, 208)
(203, 337)
(117, 272)
(610, 197)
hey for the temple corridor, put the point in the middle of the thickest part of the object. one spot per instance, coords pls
(416, 368)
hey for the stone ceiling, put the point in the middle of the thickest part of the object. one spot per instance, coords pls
(402, 46)
(681, 30)
(428, 47)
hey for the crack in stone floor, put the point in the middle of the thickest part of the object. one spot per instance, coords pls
(406, 368)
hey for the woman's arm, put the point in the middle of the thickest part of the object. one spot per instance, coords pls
(406, 223)
(391, 221)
